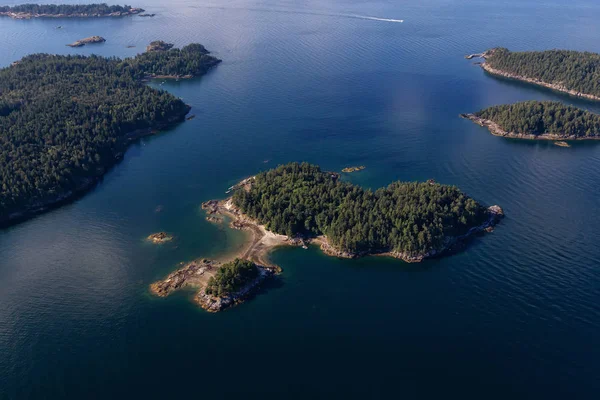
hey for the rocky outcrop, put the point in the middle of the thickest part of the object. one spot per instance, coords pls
(353, 169)
(89, 40)
(190, 275)
(159, 45)
(159, 237)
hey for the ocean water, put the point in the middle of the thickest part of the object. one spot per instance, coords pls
(338, 83)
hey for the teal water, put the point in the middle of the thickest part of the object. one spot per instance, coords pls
(515, 316)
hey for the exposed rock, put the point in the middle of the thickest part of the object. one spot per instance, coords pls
(189, 275)
(159, 237)
(211, 206)
(89, 40)
(562, 144)
(353, 169)
(159, 45)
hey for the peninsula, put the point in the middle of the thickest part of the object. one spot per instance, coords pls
(298, 205)
(573, 72)
(547, 120)
(28, 11)
(65, 120)
(89, 40)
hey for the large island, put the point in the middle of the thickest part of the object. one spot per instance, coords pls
(28, 11)
(299, 204)
(547, 120)
(574, 72)
(64, 120)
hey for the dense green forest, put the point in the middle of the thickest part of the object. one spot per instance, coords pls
(192, 59)
(65, 119)
(540, 117)
(67, 9)
(231, 277)
(575, 70)
(408, 217)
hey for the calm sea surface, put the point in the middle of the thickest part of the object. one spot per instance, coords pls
(516, 316)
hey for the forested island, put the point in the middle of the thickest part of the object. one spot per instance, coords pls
(64, 120)
(407, 220)
(299, 204)
(548, 120)
(573, 72)
(28, 11)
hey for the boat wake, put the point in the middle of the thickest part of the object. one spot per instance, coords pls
(353, 16)
(371, 18)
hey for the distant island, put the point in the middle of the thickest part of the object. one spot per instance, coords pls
(91, 39)
(28, 11)
(65, 120)
(299, 204)
(573, 72)
(547, 120)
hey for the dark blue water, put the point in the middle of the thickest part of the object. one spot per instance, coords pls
(515, 316)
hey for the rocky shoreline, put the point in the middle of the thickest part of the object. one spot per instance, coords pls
(22, 15)
(496, 130)
(197, 274)
(560, 88)
(261, 242)
(258, 251)
(495, 214)
(87, 183)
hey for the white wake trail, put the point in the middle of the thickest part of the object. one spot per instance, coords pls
(375, 18)
(300, 12)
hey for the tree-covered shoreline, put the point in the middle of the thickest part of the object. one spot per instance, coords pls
(231, 277)
(31, 10)
(543, 118)
(407, 218)
(64, 120)
(569, 71)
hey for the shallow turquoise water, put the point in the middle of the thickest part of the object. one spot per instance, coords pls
(515, 316)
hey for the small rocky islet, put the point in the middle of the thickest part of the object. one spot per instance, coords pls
(159, 237)
(88, 40)
(353, 169)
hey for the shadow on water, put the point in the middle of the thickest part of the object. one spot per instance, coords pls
(588, 104)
